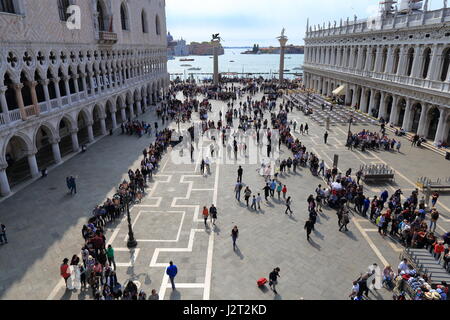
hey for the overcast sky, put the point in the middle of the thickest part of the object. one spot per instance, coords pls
(245, 22)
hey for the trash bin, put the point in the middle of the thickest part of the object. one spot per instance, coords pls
(447, 155)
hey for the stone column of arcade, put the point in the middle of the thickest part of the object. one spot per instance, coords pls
(4, 184)
(34, 170)
(4, 104)
(55, 150)
(90, 131)
(74, 136)
(114, 119)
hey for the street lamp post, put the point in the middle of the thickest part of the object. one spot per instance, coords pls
(132, 243)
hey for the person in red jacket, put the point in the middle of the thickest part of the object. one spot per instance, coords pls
(64, 270)
(438, 249)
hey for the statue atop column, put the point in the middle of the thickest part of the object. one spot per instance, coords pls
(216, 37)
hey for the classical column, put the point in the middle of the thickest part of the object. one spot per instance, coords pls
(34, 100)
(407, 118)
(215, 44)
(359, 57)
(58, 93)
(114, 119)
(99, 84)
(138, 105)
(378, 59)
(75, 83)
(44, 83)
(338, 57)
(448, 76)
(74, 136)
(144, 102)
(418, 57)
(130, 106)
(393, 119)
(283, 40)
(402, 61)
(372, 101)
(355, 96)
(382, 110)
(123, 114)
(421, 130)
(103, 126)
(4, 184)
(348, 98)
(368, 59)
(33, 164)
(364, 101)
(18, 90)
(389, 60)
(56, 151)
(83, 80)
(432, 72)
(441, 125)
(4, 104)
(91, 81)
(66, 84)
(90, 131)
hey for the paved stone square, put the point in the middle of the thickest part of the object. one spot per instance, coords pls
(44, 224)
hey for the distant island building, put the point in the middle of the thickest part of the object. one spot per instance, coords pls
(176, 48)
(205, 48)
(291, 49)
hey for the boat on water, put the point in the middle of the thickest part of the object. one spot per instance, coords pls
(231, 60)
(298, 68)
(195, 69)
(186, 59)
(287, 70)
(186, 65)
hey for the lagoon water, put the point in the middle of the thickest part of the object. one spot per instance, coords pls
(246, 63)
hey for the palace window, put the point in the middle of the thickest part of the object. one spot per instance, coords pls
(124, 17)
(445, 64)
(144, 22)
(396, 60)
(62, 9)
(384, 60)
(410, 61)
(426, 62)
(158, 25)
(7, 6)
(101, 17)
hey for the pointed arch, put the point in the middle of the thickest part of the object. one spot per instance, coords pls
(124, 16)
(144, 21)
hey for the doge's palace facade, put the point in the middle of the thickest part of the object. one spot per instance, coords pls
(394, 67)
(62, 88)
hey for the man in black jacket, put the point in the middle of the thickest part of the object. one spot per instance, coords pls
(240, 172)
(308, 226)
(273, 279)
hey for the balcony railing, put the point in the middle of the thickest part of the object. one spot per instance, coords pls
(48, 106)
(54, 103)
(30, 111)
(107, 37)
(43, 107)
(14, 115)
(423, 83)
